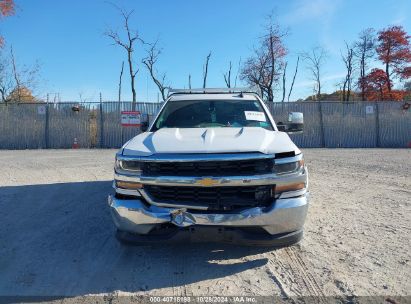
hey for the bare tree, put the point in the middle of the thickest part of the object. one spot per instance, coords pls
(348, 62)
(339, 89)
(127, 44)
(150, 61)
(284, 71)
(295, 75)
(82, 98)
(315, 60)
(276, 52)
(189, 81)
(227, 76)
(364, 50)
(264, 68)
(17, 82)
(15, 73)
(6, 78)
(253, 73)
(120, 81)
(238, 71)
(205, 70)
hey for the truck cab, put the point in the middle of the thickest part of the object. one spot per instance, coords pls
(212, 166)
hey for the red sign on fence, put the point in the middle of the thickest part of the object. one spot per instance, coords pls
(130, 118)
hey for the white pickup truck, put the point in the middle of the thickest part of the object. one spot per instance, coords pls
(212, 166)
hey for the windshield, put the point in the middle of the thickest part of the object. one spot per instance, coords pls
(212, 113)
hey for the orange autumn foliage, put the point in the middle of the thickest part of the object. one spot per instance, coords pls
(376, 87)
(394, 50)
(6, 9)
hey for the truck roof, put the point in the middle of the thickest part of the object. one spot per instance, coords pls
(225, 96)
(213, 94)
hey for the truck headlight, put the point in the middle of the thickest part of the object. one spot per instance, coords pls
(286, 168)
(130, 166)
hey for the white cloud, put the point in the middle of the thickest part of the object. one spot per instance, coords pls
(399, 20)
(320, 13)
(304, 84)
(325, 79)
(334, 76)
(304, 10)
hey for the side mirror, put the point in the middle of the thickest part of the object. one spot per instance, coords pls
(295, 123)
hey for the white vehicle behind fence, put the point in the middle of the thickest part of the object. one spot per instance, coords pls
(212, 166)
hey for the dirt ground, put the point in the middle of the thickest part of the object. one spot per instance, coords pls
(57, 237)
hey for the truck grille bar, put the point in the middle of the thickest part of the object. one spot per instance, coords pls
(208, 168)
(216, 198)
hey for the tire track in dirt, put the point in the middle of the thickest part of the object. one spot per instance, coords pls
(298, 265)
(182, 269)
(283, 290)
(293, 276)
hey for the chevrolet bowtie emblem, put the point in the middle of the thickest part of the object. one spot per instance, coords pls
(207, 182)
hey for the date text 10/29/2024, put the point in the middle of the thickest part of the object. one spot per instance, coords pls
(203, 299)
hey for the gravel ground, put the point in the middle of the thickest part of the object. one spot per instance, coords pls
(57, 237)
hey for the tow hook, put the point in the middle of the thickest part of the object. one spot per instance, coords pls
(180, 218)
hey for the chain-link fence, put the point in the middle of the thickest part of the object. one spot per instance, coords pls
(98, 125)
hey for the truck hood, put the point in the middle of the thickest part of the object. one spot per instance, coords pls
(209, 140)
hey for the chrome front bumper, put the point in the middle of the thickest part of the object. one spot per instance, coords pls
(135, 216)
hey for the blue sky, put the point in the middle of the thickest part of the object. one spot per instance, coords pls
(66, 37)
